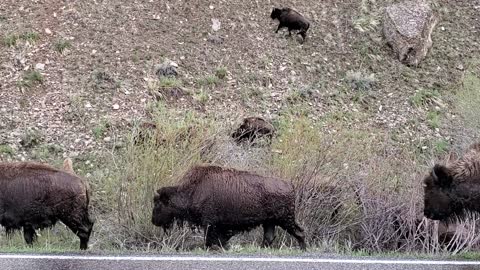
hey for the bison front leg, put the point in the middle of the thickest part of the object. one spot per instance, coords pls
(29, 235)
(268, 235)
(218, 237)
(280, 26)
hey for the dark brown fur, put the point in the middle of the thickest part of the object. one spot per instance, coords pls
(452, 189)
(226, 201)
(35, 196)
(253, 128)
(292, 20)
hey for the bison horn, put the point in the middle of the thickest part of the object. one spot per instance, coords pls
(434, 174)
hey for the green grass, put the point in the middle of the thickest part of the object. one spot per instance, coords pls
(31, 78)
(169, 82)
(423, 97)
(61, 45)
(10, 40)
(6, 150)
(433, 119)
(209, 80)
(30, 36)
(221, 73)
(100, 129)
(468, 100)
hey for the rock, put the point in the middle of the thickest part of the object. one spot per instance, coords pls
(48, 31)
(215, 24)
(40, 66)
(116, 106)
(166, 69)
(215, 39)
(407, 28)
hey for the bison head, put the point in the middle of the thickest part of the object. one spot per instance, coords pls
(439, 204)
(164, 212)
(275, 13)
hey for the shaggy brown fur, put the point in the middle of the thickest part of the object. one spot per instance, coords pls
(226, 201)
(451, 189)
(253, 128)
(292, 20)
(35, 196)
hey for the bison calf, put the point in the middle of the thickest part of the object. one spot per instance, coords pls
(292, 20)
(253, 128)
(35, 196)
(226, 201)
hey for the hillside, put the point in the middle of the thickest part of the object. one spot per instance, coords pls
(77, 77)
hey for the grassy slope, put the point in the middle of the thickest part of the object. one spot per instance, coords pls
(380, 132)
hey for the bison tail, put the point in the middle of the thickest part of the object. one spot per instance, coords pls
(68, 166)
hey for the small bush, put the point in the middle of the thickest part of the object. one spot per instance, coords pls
(221, 73)
(423, 97)
(61, 45)
(31, 78)
(433, 119)
(10, 40)
(31, 36)
(360, 81)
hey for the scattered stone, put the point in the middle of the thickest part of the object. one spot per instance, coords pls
(40, 66)
(216, 24)
(407, 28)
(116, 106)
(107, 139)
(48, 31)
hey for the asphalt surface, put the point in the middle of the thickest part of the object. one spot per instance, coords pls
(67, 262)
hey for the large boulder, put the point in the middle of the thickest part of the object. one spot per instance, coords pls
(408, 28)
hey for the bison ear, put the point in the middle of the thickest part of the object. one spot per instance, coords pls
(441, 176)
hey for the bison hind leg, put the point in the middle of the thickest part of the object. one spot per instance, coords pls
(29, 235)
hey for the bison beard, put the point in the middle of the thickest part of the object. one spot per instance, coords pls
(226, 201)
(35, 196)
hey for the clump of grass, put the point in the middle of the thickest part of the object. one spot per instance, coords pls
(6, 149)
(433, 119)
(31, 138)
(360, 81)
(30, 36)
(169, 82)
(210, 80)
(31, 78)
(468, 98)
(100, 129)
(423, 97)
(10, 40)
(61, 45)
(221, 73)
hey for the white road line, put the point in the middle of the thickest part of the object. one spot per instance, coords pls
(236, 259)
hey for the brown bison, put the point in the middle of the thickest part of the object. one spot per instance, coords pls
(452, 189)
(226, 201)
(253, 128)
(292, 20)
(35, 196)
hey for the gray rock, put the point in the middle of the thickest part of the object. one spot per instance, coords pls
(408, 28)
(166, 69)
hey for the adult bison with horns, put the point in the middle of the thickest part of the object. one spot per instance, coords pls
(226, 201)
(35, 196)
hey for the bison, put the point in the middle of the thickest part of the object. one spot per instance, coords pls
(253, 128)
(36, 196)
(452, 189)
(224, 201)
(292, 20)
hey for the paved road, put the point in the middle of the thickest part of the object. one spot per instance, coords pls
(67, 262)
